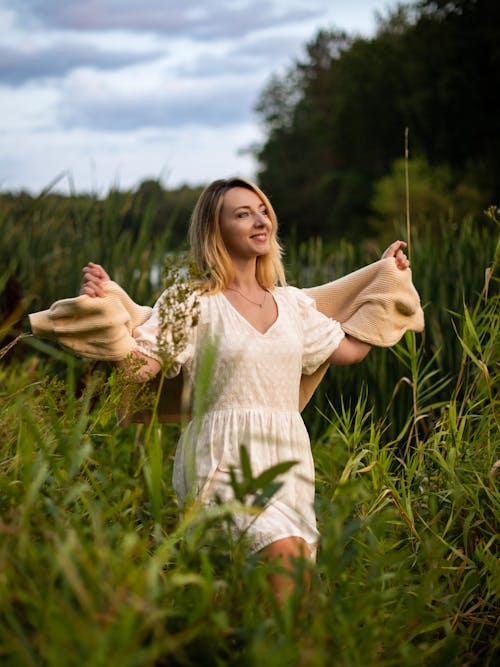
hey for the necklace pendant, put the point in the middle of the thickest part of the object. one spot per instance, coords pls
(259, 305)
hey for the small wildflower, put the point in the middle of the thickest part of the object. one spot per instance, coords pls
(179, 308)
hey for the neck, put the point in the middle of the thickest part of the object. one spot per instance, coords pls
(244, 276)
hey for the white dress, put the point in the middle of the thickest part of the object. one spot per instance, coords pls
(253, 401)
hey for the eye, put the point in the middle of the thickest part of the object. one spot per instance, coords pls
(264, 212)
(243, 214)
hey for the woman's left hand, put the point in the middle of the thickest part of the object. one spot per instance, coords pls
(92, 279)
(396, 250)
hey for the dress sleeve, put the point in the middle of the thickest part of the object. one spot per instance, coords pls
(321, 335)
(169, 334)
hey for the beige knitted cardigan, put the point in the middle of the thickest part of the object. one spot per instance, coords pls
(376, 304)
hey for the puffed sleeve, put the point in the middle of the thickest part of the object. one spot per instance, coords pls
(321, 335)
(169, 334)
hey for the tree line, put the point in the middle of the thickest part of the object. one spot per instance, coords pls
(334, 124)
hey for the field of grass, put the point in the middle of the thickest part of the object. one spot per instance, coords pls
(98, 567)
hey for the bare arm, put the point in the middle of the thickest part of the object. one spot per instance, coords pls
(350, 351)
(139, 368)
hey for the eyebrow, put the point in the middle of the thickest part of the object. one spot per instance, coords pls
(246, 206)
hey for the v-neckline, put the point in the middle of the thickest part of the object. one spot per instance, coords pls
(249, 324)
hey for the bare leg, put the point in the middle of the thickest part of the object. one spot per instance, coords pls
(285, 552)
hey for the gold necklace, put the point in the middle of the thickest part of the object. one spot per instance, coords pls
(259, 305)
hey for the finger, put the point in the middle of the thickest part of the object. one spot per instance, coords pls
(87, 291)
(97, 270)
(90, 273)
(90, 279)
(395, 247)
(402, 260)
(91, 291)
(91, 286)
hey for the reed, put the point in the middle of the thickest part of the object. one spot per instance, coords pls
(98, 566)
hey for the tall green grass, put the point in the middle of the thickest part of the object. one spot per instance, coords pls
(99, 567)
(46, 241)
(449, 273)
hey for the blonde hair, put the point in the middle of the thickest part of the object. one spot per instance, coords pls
(209, 250)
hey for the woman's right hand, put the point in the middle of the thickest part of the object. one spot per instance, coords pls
(396, 250)
(93, 277)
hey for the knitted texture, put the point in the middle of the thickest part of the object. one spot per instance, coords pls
(93, 327)
(376, 304)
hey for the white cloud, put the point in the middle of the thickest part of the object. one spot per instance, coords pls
(205, 19)
(24, 64)
(94, 161)
(27, 109)
(117, 90)
(218, 102)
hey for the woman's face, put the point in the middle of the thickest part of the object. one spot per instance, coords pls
(244, 224)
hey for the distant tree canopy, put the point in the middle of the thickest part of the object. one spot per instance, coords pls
(334, 128)
(163, 208)
(335, 123)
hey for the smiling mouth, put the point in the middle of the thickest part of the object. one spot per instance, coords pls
(259, 237)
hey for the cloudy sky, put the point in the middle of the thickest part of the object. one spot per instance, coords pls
(110, 92)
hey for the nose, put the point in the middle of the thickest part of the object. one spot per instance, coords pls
(260, 220)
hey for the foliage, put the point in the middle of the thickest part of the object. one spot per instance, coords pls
(42, 263)
(435, 201)
(98, 566)
(47, 239)
(448, 274)
(334, 123)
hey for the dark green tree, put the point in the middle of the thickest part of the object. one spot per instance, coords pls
(335, 123)
(163, 209)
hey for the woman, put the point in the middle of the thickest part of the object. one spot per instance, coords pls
(266, 336)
